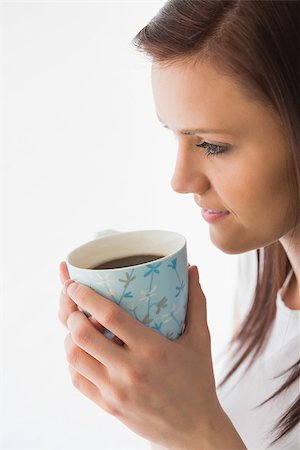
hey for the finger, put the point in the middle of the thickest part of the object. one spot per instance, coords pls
(94, 343)
(111, 316)
(66, 306)
(84, 385)
(90, 390)
(196, 317)
(63, 272)
(100, 327)
(84, 363)
(96, 324)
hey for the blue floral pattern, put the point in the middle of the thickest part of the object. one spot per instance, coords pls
(154, 294)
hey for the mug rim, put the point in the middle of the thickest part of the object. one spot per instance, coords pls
(125, 233)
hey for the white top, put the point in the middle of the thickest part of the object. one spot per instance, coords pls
(239, 397)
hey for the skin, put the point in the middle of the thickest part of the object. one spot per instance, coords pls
(143, 381)
(251, 180)
(141, 377)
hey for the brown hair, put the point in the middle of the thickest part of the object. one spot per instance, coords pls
(256, 42)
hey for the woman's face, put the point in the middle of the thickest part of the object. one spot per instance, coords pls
(249, 179)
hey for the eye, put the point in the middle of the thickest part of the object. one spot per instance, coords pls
(213, 149)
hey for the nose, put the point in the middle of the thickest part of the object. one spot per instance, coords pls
(189, 175)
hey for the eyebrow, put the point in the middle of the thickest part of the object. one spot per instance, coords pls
(198, 130)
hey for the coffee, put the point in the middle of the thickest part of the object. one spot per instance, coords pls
(127, 261)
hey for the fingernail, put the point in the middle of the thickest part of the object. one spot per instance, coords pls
(66, 285)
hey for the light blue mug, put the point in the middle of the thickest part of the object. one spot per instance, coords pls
(155, 292)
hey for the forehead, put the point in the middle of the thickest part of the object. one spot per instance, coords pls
(186, 96)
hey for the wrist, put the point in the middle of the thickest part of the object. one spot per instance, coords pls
(221, 435)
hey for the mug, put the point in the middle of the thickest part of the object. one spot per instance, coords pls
(154, 292)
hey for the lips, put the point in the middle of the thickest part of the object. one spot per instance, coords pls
(210, 208)
(212, 216)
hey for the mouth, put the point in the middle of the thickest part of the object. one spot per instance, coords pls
(215, 211)
(211, 215)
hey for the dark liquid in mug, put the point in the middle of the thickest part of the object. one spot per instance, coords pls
(127, 261)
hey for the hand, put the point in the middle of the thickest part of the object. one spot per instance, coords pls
(67, 306)
(162, 390)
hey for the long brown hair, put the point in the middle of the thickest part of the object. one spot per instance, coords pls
(258, 43)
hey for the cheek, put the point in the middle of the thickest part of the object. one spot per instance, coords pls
(256, 187)
(258, 200)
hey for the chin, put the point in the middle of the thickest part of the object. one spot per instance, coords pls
(233, 246)
(232, 250)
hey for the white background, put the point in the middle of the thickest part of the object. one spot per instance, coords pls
(82, 151)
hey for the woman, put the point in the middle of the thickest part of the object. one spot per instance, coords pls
(225, 79)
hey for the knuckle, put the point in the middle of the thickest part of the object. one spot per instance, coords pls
(112, 317)
(61, 317)
(136, 376)
(73, 355)
(156, 354)
(72, 319)
(61, 313)
(76, 379)
(82, 336)
(121, 396)
(110, 409)
(67, 340)
(82, 293)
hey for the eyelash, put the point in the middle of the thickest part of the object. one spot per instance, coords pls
(207, 146)
(212, 150)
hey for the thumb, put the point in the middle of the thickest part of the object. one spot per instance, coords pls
(196, 327)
